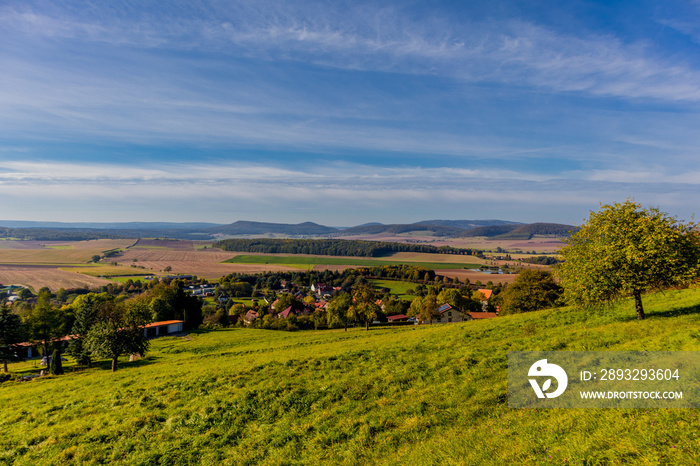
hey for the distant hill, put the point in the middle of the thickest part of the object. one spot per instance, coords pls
(522, 231)
(395, 229)
(243, 227)
(467, 224)
(541, 229)
(109, 226)
(58, 231)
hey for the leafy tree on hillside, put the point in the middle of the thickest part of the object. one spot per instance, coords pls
(428, 308)
(364, 305)
(10, 334)
(119, 330)
(532, 290)
(625, 249)
(44, 322)
(86, 308)
(337, 310)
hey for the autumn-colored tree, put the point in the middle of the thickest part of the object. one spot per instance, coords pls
(625, 250)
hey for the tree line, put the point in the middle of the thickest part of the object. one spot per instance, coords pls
(332, 247)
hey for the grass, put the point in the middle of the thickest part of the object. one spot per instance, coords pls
(397, 288)
(305, 261)
(427, 395)
(124, 279)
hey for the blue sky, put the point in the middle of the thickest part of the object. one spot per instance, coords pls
(343, 113)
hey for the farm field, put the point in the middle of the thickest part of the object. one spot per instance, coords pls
(108, 271)
(304, 261)
(46, 253)
(37, 263)
(426, 395)
(37, 277)
(540, 245)
(70, 260)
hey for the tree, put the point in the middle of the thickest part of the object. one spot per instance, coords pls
(532, 290)
(364, 305)
(119, 330)
(56, 367)
(86, 309)
(428, 308)
(337, 310)
(44, 322)
(625, 250)
(10, 334)
(96, 258)
(160, 309)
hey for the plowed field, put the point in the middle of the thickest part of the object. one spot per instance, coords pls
(37, 277)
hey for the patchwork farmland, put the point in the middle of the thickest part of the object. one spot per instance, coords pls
(68, 264)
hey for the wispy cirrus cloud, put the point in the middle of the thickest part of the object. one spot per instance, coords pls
(373, 38)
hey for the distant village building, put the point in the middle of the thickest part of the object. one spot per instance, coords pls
(160, 329)
(397, 318)
(249, 317)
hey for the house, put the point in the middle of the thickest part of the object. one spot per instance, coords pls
(287, 312)
(486, 296)
(397, 318)
(163, 328)
(322, 289)
(321, 304)
(26, 350)
(250, 316)
(446, 314)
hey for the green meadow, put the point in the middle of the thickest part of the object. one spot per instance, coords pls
(397, 288)
(304, 262)
(426, 395)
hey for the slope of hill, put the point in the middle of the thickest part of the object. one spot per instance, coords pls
(434, 394)
(242, 227)
(467, 224)
(522, 231)
(397, 229)
(539, 229)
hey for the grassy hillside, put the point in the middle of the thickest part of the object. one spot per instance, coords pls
(409, 395)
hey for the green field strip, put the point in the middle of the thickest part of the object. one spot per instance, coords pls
(292, 261)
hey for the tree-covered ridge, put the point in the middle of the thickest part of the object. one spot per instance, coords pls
(522, 231)
(331, 247)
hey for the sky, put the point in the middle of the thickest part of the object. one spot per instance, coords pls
(343, 113)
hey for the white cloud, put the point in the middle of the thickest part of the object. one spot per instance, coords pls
(372, 38)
